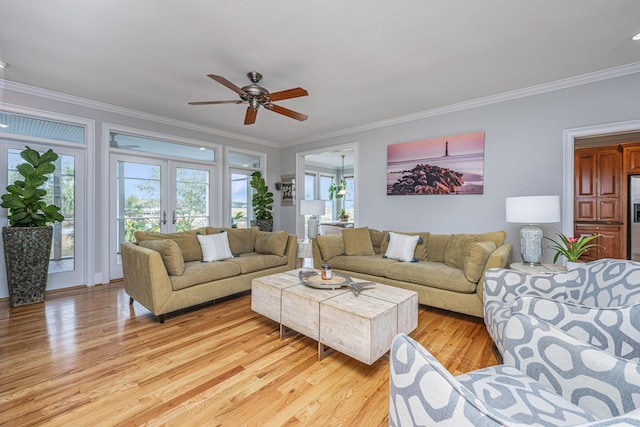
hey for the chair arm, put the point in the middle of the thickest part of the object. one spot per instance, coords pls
(610, 329)
(500, 258)
(603, 385)
(292, 250)
(445, 401)
(145, 277)
(505, 285)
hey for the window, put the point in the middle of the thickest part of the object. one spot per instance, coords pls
(241, 165)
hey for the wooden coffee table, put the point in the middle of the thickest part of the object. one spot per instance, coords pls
(361, 326)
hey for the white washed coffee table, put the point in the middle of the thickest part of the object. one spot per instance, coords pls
(360, 326)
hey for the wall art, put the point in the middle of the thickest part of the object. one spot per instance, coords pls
(287, 190)
(448, 165)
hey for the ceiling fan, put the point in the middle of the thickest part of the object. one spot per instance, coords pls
(255, 95)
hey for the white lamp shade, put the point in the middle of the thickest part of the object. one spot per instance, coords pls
(312, 207)
(533, 209)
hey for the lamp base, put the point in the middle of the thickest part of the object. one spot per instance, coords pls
(312, 227)
(531, 244)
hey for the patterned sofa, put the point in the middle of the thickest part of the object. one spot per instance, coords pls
(549, 379)
(598, 303)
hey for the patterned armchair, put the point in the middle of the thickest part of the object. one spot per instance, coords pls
(598, 304)
(548, 379)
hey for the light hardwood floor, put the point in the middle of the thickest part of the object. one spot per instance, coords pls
(86, 357)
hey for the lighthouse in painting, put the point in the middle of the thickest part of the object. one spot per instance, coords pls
(446, 149)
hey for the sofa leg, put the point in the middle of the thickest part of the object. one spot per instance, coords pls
(130, 300)
(161, 318)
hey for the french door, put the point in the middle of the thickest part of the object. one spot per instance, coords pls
(66, 189)
(156, 195)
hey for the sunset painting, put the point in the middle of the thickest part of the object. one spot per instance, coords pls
(447, 165)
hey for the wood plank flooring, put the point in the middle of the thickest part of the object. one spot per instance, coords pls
(85, 357)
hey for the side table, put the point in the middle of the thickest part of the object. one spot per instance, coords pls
(537, 269)
(304, 252)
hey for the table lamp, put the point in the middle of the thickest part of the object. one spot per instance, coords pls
(532, 210)
(314, 208)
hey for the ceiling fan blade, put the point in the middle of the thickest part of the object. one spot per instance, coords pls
(286, 112)
(227, 83)
(215, 102)
(286, 94)
(250, 117)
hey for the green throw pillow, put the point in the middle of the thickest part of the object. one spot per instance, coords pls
(476, 259)
(357, 241)
(170, 253)
(186, 240)
(330, 245)
(271, 242)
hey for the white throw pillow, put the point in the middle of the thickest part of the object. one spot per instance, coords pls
(215, 247)
(401, 247)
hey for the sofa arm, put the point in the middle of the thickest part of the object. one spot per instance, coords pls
(292, 251)
(603, 385)
(145, 277)
(500, 258)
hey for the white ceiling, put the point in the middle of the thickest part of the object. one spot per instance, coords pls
(361, 61)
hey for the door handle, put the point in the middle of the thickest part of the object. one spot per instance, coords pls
(164, 217)
(174, 217)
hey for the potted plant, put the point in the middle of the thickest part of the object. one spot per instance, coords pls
(338, 191)
(572, 248)
(344, 216)
(27, 239)
(262, 202)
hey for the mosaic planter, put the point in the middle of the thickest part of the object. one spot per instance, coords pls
(26, 254)
(263, 224)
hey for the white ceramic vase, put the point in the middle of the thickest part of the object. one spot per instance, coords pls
(572, 265)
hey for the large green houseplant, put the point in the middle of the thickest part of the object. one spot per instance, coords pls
(262, 202)
(27, 240)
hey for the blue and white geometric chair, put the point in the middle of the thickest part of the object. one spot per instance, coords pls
(548, 379)
(598, 303)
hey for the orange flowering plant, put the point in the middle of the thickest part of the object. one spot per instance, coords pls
(572, 247)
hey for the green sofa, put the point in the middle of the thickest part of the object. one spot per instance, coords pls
(447, 270)
(164, 271)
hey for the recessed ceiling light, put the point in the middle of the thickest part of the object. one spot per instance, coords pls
(3, 65)
(636, 37)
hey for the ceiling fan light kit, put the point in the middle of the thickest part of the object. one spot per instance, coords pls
(256, 95)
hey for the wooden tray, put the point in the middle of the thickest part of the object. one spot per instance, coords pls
(338, 280)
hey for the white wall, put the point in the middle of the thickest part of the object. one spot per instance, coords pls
(523, 156)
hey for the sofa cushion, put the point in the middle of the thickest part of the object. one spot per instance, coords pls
(253, 261)
(421, 247)
(197, 273)
(170, 253)
(401, 247)
(457, 249)
(186, 240)
(367, 264)
(215, 247)
(497, 237)
(377, 237)
(241, 240)
(436, 247)
(357, 241)
(330, 246)
(271, 242)
(476, 259)
(433, 274)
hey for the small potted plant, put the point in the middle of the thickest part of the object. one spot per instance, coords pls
(344, 216)
(262, 202)
(27, 240)
(572, 248)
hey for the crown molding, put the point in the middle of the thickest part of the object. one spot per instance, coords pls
(103, 106)
(488, 100)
